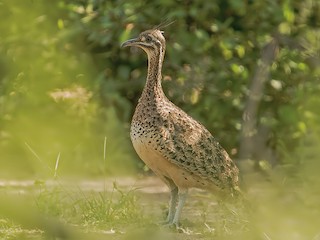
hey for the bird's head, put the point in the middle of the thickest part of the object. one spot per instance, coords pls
(151, 41)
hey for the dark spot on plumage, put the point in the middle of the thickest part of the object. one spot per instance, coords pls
(181, 160)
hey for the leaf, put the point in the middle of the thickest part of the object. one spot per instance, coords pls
(288, 114)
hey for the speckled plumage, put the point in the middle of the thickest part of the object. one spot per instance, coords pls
(180, 150)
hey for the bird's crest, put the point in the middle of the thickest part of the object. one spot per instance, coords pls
(163, 25)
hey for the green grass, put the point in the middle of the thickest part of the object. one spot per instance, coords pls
(279, 207)
(103, 210)
(117, 213)
(10, 230)
(86, 211)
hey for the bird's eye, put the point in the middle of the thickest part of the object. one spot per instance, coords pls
(148, 39)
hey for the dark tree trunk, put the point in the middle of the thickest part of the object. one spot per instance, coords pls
(252, 135)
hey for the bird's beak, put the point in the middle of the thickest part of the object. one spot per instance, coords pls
(130, 42)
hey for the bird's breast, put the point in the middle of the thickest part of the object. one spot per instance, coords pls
(150, 147)
(147, 141)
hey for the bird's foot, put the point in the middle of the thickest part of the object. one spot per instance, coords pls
(172, 225)
(175, 226)
(168, 223)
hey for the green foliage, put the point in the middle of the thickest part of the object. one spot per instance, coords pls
(212, 53)
(66, 85)
(48, 104)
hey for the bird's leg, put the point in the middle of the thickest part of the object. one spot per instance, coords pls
(182, 195)
(172, 205)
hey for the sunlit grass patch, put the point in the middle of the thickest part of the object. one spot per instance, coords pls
(106, 209)
(55, 209)
(10, 230)
(110, 208)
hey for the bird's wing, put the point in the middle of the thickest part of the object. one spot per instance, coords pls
(192, 147)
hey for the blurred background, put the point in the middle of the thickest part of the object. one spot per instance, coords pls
(248, 70)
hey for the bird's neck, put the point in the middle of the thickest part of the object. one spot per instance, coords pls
(153, 88)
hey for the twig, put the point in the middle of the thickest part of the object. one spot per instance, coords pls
(56, 167)
(37, 157)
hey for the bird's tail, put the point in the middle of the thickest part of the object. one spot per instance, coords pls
(240, 197)
(237, 192)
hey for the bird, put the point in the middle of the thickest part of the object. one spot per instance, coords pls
(175, 146)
